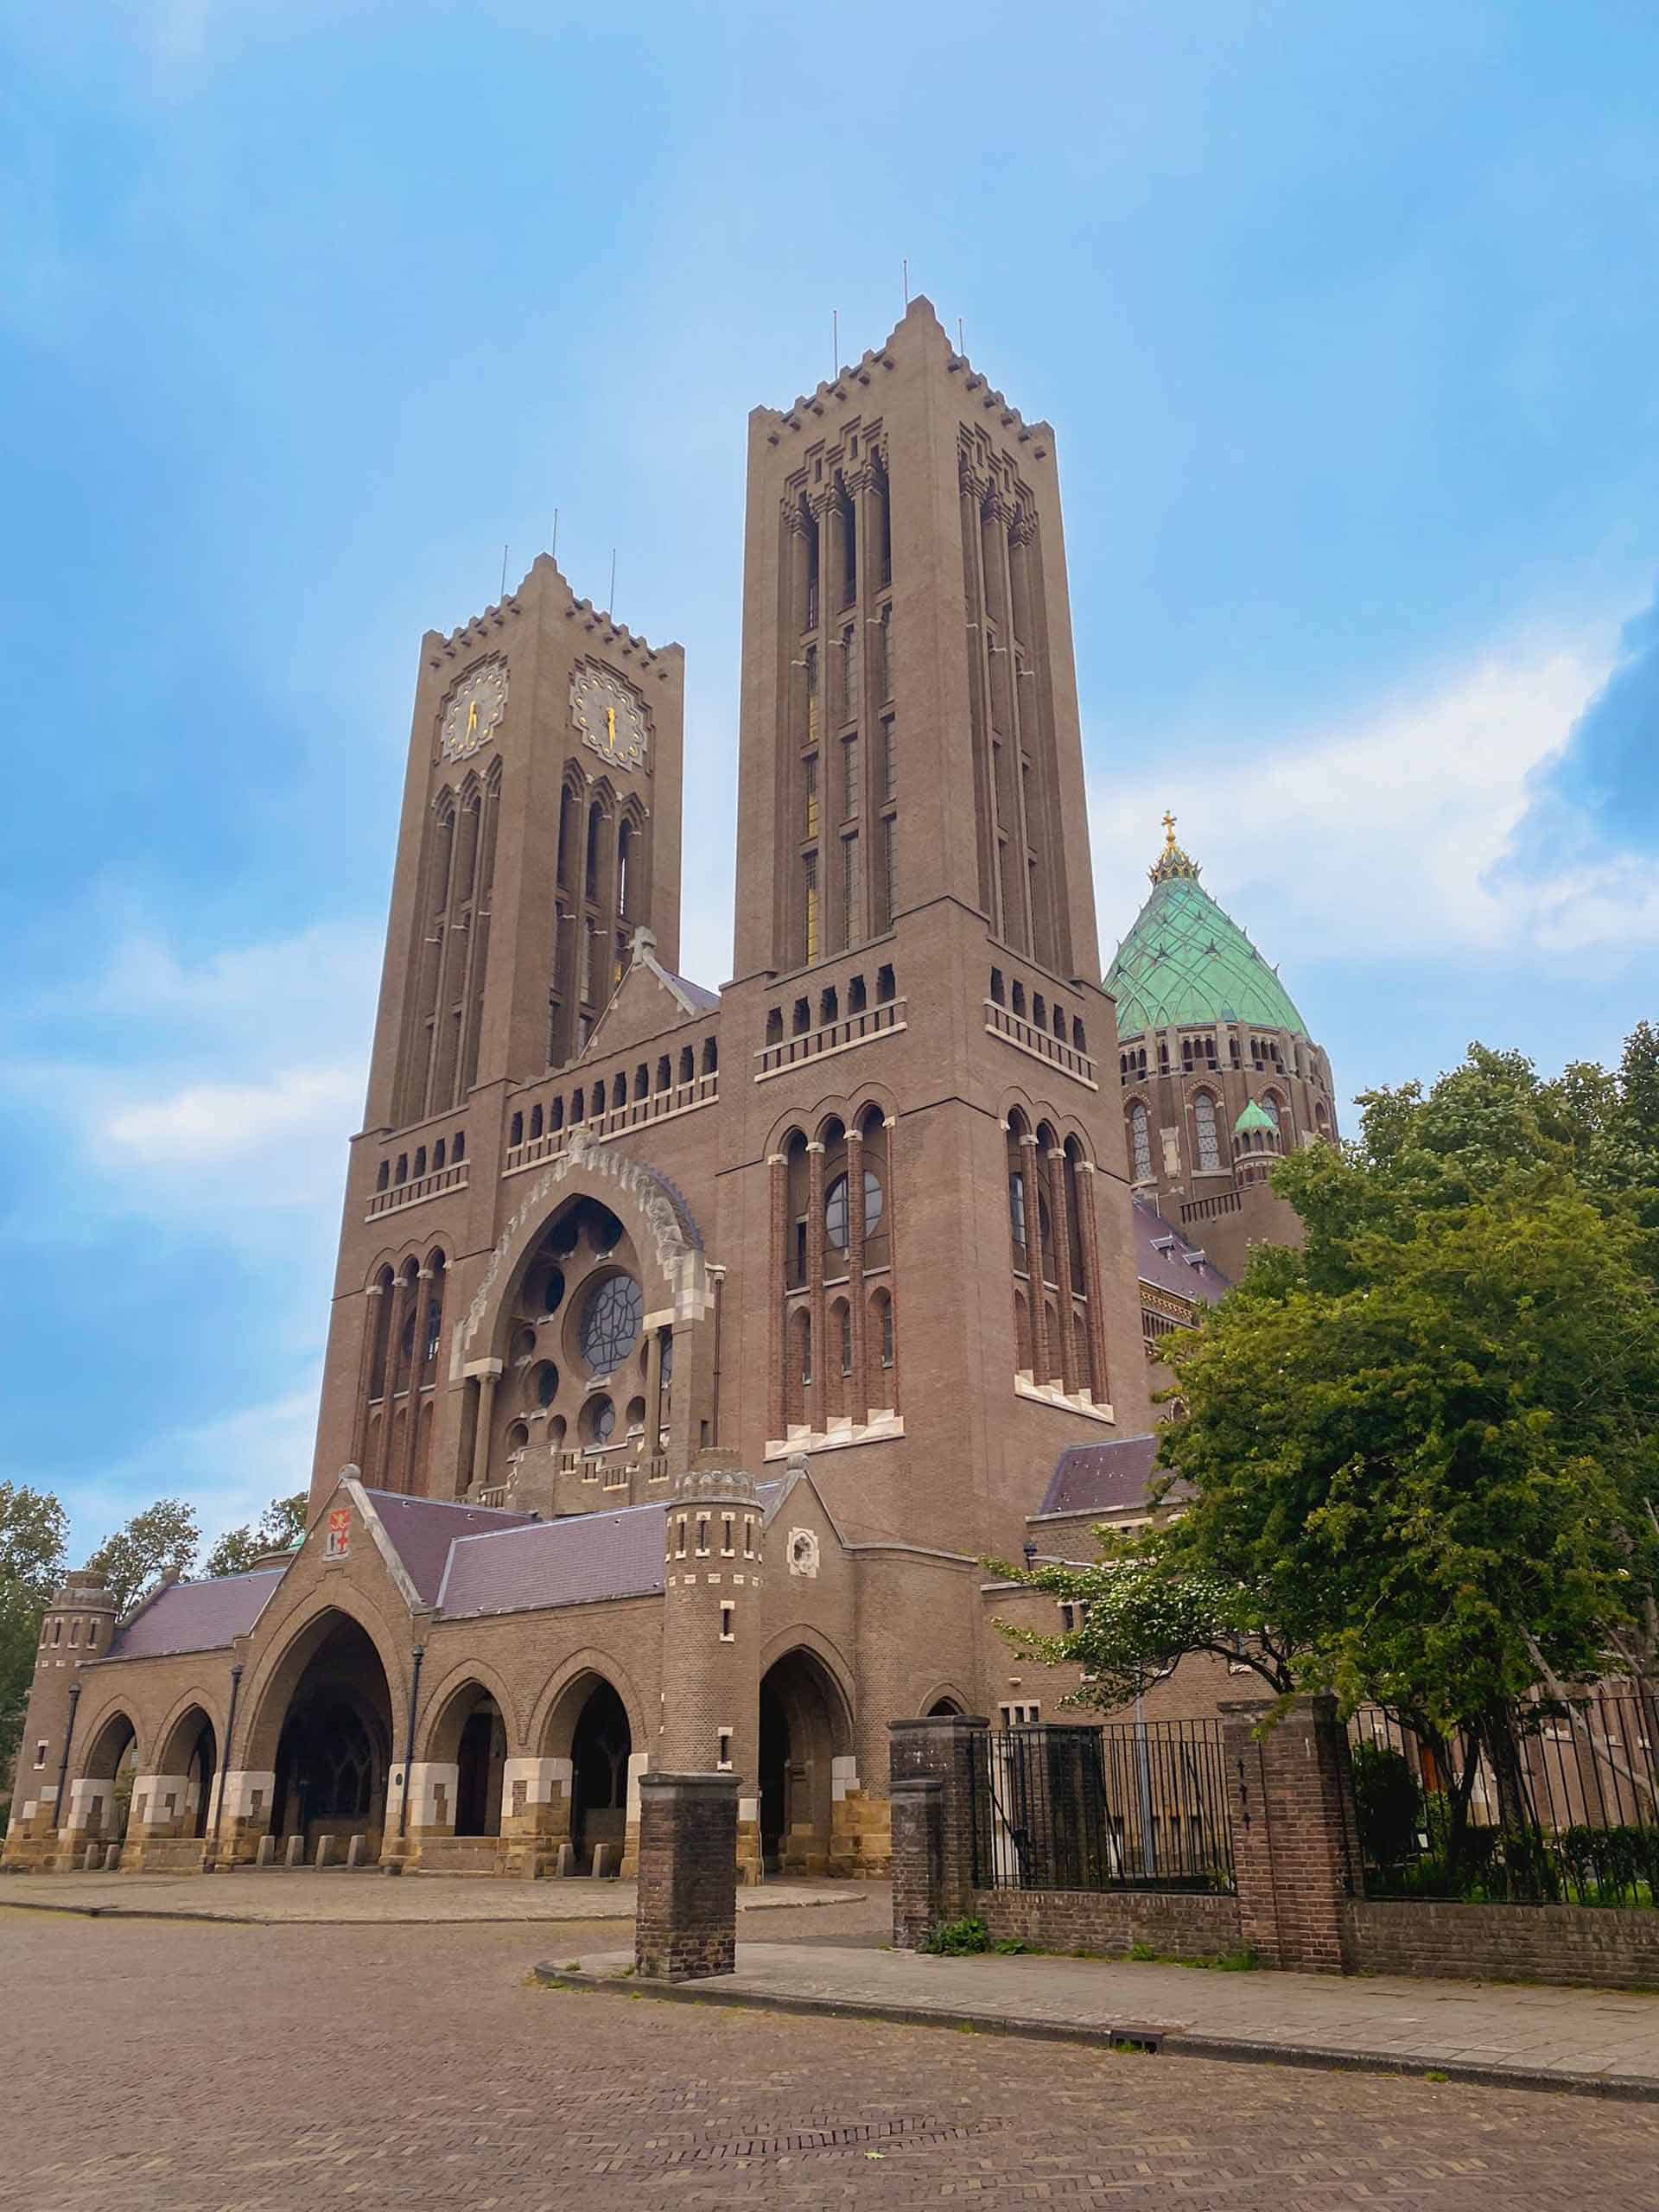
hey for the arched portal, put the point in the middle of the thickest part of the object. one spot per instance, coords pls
(804, 1727)
(191, 1750)
(111, 1768)
(600, 1746)
(481, 1756)
(335, 1744)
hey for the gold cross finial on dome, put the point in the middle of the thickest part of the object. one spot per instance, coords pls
(1172, 862)
(1169, 831)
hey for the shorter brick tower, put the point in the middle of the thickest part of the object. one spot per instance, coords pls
(1220, 1078)
(78, 1627)
(711, 1635)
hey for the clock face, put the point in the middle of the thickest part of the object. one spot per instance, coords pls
(610, 718)
(473, 710)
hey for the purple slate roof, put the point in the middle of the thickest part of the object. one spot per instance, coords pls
(196, 1615)
(705, 1000)
(572, 1561)
(1103, 1478)
(422, 1530)
(1169, 1271)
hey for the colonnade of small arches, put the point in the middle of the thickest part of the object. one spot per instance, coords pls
(604, 1095)
(1033, 1005)
(1055, 1256)
(409, 1167)
(398, 1382)
(836, 1355)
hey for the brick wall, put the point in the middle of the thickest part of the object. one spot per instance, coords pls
(1178, 1924)
(1596, 1946)
(685, 1914)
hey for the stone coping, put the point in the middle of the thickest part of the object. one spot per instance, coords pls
(1588, 2041)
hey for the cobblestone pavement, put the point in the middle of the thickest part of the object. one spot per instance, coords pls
(201, 2068)
(1609, 2036)
(273, 1894)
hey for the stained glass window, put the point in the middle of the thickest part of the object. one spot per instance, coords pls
(610, 1322)
(836, 1224)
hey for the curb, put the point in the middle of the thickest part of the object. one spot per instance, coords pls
(1132, 2034)
(121, 1910)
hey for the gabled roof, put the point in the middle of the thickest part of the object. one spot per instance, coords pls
(195, 1616)
(1102, 1479)
(1185, 962)
(421, 1529)
(1171, 1261)
(573, 1561)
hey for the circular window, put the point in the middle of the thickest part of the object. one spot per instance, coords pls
(547, 1383)
(523, 1343)
(636, 1413)
(610, 1322)
(562, 1237)
(598, 1419)
(554, 1292)
(605, 1230)
(837, 1222)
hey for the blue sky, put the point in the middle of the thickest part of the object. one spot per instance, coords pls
(1346, 319)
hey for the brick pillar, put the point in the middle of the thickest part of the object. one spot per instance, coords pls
(1290, 1800)
(685, 1921)
(933, 1850)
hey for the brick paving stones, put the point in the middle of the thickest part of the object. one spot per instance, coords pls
(207, 2068)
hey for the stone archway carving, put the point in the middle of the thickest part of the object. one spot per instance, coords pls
(661, 1222)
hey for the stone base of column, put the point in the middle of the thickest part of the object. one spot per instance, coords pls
(685, 1918)
(860, 1838)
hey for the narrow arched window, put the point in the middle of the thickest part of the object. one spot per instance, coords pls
(1203, 1116)
(1140, 1142)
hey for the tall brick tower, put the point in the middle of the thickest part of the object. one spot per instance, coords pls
(926, 1181)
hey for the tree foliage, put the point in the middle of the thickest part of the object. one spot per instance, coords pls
(282, 1522)
(1418, 1457)
(165, 1534)
(33, 1535)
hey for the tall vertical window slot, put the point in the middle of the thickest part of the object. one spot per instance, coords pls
(850, 929)
(850, 777)
(888, 765)
(810, 878)
(810, 783)
(886, 873)
(811, 695)
(623, 870)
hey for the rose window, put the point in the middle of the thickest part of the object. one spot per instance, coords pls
(610, 1322)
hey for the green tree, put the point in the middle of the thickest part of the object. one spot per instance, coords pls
(33, 1535)
(165, 1534)
(1418, 1457)
(282, 1522)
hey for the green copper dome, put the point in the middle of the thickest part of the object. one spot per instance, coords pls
(1185, 962)
(1254, 1117)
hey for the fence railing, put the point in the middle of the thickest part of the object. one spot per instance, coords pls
(1130, 1806)
(1565, 1811)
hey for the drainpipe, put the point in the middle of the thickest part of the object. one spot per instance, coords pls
(224, 1765)
(68, 1731)
(409, 1742)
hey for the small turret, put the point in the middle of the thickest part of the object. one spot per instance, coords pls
(711, 1633)
(78, 1628)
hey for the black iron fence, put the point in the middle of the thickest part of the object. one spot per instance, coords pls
(1130, 1806)
(1562, 1807)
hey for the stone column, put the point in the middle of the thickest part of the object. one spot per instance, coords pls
(365, 1372)
(405, 1477)
(685, 1919)
(1061, 1214)
(487, 1382)
(1101, 1383)
(379, 1477)
(891, 1126)
(1040, 1362)
(933, 1855)
(653, 1393)
(1295, 1845)
(777, 1332)
(858, 1392)
(817, 1398)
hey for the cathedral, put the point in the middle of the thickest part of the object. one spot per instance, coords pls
(691, 1349)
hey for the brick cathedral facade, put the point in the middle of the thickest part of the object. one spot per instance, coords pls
(690, 1349)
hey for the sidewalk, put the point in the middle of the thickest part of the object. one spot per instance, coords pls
(1594, 2041)
(273, 1896)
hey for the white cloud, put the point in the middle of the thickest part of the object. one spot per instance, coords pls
(1393, 837)
(271, 1126)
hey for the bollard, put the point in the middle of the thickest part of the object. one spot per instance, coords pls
(296, 1852)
